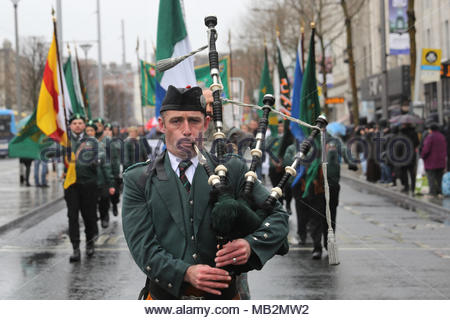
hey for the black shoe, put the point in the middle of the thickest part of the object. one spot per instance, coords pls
(90, 250)
(115, 210)
(45, 186)
(302, 238)
(317, 255)
(28, 184)
(105, 224)
(76, 256)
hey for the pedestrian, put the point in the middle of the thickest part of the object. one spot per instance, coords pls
(273, 144)
(40, 178)
(311, 207)
(302, 216)
(25, 170)
(409, 168)
(373, 172)
(146, 149)
(81, 196)
(134, 150)
(114, 147)
(166, 213)
(385, 165)
(334, 160)
(434, 155)
(105, 178)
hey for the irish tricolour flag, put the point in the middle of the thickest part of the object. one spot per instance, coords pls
(172, 41)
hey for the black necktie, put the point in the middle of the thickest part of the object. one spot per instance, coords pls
(183, 166)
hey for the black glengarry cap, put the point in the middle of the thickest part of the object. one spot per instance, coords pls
(184, 99)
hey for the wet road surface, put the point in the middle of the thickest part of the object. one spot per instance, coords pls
(386, 252)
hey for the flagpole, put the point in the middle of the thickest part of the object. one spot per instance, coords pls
(58, 57)
(83, 89)
(140, 80)
(302, 46)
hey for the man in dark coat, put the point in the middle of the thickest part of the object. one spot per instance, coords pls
(166, 213)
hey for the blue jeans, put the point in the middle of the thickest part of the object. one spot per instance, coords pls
(44, 170)
(386, 175)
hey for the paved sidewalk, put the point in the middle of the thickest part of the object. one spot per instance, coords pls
(17, 202)
(439, 208)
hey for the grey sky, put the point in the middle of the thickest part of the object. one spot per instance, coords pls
(140, 16)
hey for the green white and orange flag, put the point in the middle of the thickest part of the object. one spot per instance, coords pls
(51, 117)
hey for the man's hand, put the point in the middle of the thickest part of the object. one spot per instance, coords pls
(111, 191)
(234, 252)
(207, 278)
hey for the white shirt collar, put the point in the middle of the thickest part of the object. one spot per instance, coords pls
(175, 161)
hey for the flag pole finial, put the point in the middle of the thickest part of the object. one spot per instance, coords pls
(53, 14)
(313, 25)
(68, 49)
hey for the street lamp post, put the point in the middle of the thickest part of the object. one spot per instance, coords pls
(18, 85)
(85, 47)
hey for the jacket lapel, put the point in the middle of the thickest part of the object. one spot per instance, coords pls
(201, 190)
(167, 189)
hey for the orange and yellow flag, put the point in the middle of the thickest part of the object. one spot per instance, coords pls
(71, 173)
(50, 117)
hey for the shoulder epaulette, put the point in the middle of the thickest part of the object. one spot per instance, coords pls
(139, 164)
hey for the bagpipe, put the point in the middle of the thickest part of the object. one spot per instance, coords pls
(236, 217)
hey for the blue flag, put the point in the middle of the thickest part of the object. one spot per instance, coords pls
(296, 130)
(296, 99)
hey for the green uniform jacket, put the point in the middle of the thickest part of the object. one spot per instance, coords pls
(134, 152)
(105, 177)
(167, 229)
(273, 145)
(87, 162)
(90, 166)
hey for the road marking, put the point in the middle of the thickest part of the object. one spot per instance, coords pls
(372, 248)
(101, 239)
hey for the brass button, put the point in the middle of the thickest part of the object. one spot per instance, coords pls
(192, 220)
(192, 238)
(194, 256)
(191, 202)
(255, 238)
(148, 268)
(156, 280)
(265, 236)
(170, 285)
(267, 224)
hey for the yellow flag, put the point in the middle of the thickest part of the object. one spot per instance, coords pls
(71, 174)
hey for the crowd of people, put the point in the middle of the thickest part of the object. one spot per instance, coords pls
(398, 154)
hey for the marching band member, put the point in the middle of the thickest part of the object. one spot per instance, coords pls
(166, 213)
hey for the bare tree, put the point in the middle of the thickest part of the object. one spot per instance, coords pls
(34, 57)
(412, 44)
(349, 15)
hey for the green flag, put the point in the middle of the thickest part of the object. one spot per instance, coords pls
(30, 141)
(69, 74)
(83, 89)
(310, 108)
(285, 102)
(285, 87)
(202, 73)
(148, 84)
(266, 87)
